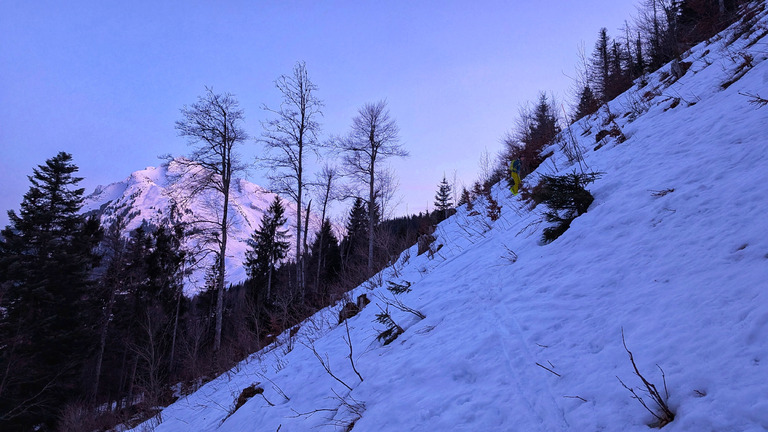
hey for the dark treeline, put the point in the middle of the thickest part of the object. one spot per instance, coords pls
(95, 328)
(663, 30)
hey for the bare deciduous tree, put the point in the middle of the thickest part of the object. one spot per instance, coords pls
(374, 138)
(326, 191)
(213, 127)
(287, 139)
(387, 184)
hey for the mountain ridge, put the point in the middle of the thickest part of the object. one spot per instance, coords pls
(151, 196)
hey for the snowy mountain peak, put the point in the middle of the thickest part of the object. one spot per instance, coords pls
(150, 196)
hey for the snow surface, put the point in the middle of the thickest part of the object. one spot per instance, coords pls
(673, 251)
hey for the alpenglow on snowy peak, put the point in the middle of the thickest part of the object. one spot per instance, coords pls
(492, 330)
(153, 196)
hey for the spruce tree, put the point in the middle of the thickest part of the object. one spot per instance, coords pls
(639, 63)
(588, 104)
(601, 66)
(113, 249)
(353, 245)
(567, 198)
(50, 313)
(544, 128)
(540, 130)
(269, 244)
(465, 197)
(327, 255)
(619, 80)
(443, 199)
(165, 268)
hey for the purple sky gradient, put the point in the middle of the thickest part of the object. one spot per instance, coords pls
(105, 80)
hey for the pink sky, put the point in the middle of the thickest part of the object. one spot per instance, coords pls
(105, 81)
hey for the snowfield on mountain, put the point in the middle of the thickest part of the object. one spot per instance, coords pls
(672, 256)
(154, 195)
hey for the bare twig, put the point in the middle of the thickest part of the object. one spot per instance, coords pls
(355, 407)
(348, 340)
(275, 387)
(576, 397)
(398, 304)
(352, 404)
(310, 413)
(547, 369)
(326, 363)
(664, 414)
(511, 256)
(661, 193)
(755, 99)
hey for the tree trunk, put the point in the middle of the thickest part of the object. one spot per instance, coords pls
(133, 379)
(121, 387)
(102, 344)
(371, 207)
(305, 254)
(175, 330)
(299, 187)
(222, 256)
(320, 244)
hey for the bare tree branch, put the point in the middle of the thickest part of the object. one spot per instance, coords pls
(373, 139)
(326, 364)
(287, 138)
(664, 414)
(348, 340)
(213, 127)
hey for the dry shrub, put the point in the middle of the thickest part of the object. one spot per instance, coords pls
(247, 393)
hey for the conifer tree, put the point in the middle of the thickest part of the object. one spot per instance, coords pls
(588, 104)
(639, 63)
(537, 131)
(50, 314)
(601, 66)
(113, 248)
(353, 245)
(329, 261)
(326, 179)
(465, 198)
(132, 303)
(165, 277)
(544, 128)
(567, 198)
(619, 79)
(268, 245)
(164, 266)
(443, 199)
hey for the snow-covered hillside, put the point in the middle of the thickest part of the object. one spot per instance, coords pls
(150, 195)
(521, 336)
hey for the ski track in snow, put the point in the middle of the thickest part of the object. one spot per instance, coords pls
(521, 365)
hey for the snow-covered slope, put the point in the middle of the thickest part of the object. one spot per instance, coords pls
(150, 195)
(520, 336)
